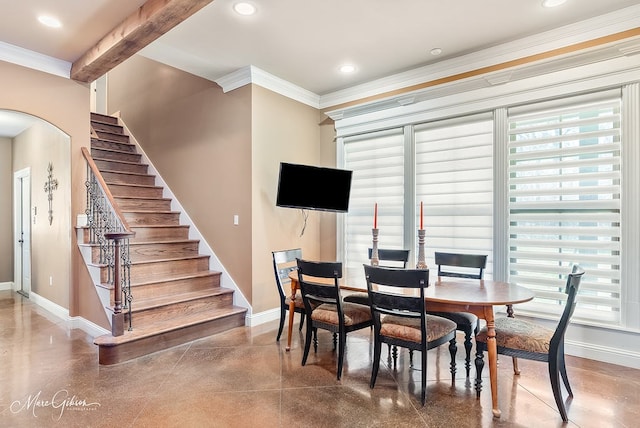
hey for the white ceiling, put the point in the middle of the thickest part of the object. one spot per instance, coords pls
(302, 41)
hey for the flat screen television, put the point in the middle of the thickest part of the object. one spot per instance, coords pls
(313, 188)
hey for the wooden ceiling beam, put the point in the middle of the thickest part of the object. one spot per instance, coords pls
(150, 21)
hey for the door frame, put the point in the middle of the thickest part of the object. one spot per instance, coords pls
(19, 284)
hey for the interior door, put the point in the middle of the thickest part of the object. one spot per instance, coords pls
(22, 235)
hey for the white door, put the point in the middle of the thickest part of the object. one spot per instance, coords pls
(22, 234)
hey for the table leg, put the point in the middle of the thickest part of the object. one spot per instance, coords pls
(492, 350)
(292, 312)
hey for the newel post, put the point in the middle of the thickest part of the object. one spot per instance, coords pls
(117, 318)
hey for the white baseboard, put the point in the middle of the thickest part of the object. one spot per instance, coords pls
(6, 285)
(621, 357)
(262, 317)
(62, 314)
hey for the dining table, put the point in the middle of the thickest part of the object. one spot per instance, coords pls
(450, 294)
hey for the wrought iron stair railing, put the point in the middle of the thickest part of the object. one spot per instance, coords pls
(109, 230)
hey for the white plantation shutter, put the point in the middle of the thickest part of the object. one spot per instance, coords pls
(377, 162)
(564, 203)
(454, 180)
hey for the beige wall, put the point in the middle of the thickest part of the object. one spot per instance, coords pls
(35, 148)
(64, 104)
(6, 212)
(199, 139)
(283, 131)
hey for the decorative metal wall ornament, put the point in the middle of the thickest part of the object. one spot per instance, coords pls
(49, 186)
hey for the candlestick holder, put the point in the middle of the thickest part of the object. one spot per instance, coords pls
(421, 260)
(375, 261)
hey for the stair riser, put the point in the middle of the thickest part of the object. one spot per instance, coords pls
(144, 204)
(108, 355)
(110, 165)
(122, 190)
(97, 117)
(177, 309)
(157, 270)
(124, 178)
(155, 251)
(113, 145)
(107, 127)
(160, 233)
(158, 289)
(112, 137)
(117, 156)
(152, 218)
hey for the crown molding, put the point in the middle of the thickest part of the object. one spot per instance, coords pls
(34, 60)
(581, 32)
(252, 74)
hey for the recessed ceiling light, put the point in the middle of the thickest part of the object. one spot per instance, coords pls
(244, 8)
(436, 51)
(552, 3)
(347, 68)
(50, 21)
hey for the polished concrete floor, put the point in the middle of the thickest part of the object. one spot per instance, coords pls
(50, 377)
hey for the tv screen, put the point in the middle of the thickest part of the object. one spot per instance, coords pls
(314, 188)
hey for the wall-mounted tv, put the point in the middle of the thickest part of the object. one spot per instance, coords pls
(314, 188)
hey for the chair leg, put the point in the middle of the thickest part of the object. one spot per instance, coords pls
(395, 356)
(563, 372)
(453, 349)
(479, 366)
(467, 347)
(342, 343)
(423, 357)
(307, 342)
(315, 338)
(410, 357)
(377, 348)
(335, 341)
(283, 312)
(554, 375)
(302, 317)
(516, 370)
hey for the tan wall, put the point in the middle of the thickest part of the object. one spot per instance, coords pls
(283, 131)
(64, 104)
(6, 212)
(199, 139)
(35, 148)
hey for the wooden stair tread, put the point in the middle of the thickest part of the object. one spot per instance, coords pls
(148, 186)
(98, 159)
(111, 171)
(170, 259)
(168, 241)
(149, 211)
(105, 149)
(144, 198)
(176, 277)
(166, 326)
(187, 296)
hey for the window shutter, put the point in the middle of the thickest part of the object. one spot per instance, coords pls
(454, 180)
(377, 162)
(564, 203)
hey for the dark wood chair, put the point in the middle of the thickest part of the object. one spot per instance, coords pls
(462, 266)
(523, 339)
(325, 308)
(387, 258)
(400, 319)
(284, 262)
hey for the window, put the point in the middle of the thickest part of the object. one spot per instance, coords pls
(377, 162)
(454, 180)
(565, 201)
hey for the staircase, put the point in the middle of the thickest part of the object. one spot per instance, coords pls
(176, 298)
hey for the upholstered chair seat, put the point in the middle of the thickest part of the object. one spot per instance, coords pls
(514, 333)
(409, 328)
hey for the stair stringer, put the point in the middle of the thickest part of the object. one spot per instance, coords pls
(204, 248)
(104, 293)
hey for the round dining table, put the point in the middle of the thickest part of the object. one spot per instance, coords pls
(447, 294)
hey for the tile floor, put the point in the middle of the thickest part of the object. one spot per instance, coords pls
(50, 377)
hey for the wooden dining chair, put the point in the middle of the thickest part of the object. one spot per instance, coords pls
(400, 319)
(284, 262)
(524, 339)
(387, 258)
(462, 266)
(325, 308)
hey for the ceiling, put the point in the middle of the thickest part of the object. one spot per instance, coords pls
(303, 42)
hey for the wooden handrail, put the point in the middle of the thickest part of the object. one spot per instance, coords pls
(107, 192)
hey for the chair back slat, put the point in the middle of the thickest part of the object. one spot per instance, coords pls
(319, 292)
(392, 255)
(468, 262)
(284, 262)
